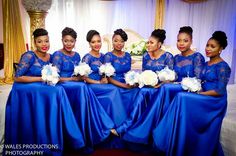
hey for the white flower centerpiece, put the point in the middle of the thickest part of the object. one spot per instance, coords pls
(83, 69)
(148, 78)
(137, 48)
(50, 74)
(132, 78)
(107, 70)
(166, 74)
(191, 84)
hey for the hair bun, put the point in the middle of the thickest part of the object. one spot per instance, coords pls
(160, 34)
(221, 37)
(122, 33)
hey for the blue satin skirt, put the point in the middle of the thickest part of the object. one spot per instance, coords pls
(38, 114)
(191, 125)
(91, 117)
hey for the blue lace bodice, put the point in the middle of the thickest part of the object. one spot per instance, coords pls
(30, 65)
(188, 65)
(121, 64)
(215, 77)
(157, 64)
(94, 63)
(65, 63)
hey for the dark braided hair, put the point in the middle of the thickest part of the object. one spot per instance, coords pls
(122, 33)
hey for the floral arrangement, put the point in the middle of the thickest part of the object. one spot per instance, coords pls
(83, 69)
(147, 78)
(166, 74)
(132, 77)
(192, 84)
(137, 48)
(107, 70)
(50, 74)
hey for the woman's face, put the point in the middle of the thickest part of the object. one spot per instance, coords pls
(118, 43)
(96, 43)
(213, 48)
(184, 42)
(68, 43)
(153, 44)
(42, 43)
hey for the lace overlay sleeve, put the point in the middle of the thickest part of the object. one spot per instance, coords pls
(57, 60)
(223, 74)
(144, 61)
(107, 58)
(170, 61)
(27, 59)
(198, 64)
(86, 59)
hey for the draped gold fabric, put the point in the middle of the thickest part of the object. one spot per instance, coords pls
(160, 12)
(14, 43)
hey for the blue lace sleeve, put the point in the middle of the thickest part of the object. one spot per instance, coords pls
(170, 60)
(86, 59)
(198, 64)
(223, 74)
(27, 59)
(57, 60)
(144, 61)
(107, 58)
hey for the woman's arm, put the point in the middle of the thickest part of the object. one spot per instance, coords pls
(119, 84)
(27, 79)
(210, 93)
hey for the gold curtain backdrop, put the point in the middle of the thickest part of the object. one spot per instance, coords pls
(160, 12)
(13, 38)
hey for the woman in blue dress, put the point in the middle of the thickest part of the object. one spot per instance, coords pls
(155, 59)
(192, 124)
(107, 94)
(36, 113)
(93, 121)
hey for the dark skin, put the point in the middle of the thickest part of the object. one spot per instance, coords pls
(42, 46)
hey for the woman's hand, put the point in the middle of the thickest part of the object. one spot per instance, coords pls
(104, 80)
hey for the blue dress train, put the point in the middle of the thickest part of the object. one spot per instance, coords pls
(192, 123)
(39, 114)
(93, 121)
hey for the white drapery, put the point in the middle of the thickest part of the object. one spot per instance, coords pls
(205, 18)
(139, 15)
(103, 16)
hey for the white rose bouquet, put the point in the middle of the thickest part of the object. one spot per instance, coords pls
(83, 69)
(131, 77)
(50, 74)
(137, 48)
(148, 78)
(191, 84)
(107, 70)
(166, 75)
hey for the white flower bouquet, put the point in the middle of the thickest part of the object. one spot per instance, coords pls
(83, 69)
(107, 70)
(166, 75)
(137, 48)
(50, 74)
(192, 84)
(131, 77)
(147, 78)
